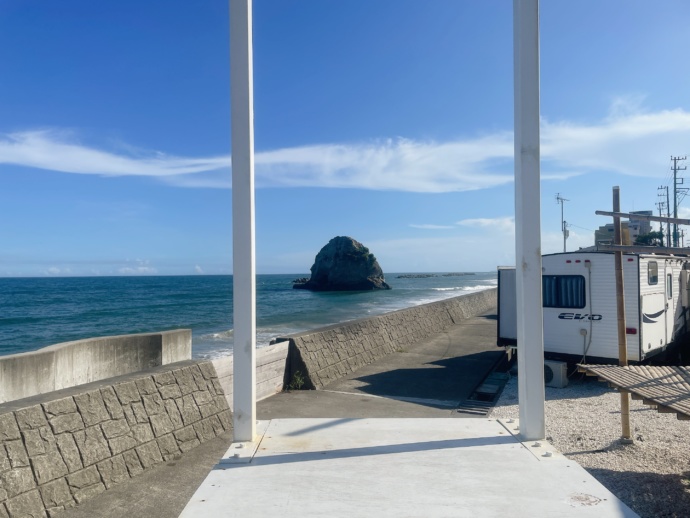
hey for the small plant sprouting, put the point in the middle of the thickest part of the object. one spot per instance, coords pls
(297, 381)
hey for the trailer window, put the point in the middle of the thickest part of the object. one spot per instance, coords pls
(652, 273)
(669, 286)
(563, 291)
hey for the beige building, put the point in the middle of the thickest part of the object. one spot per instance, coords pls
(639, 227)
(631, 230)
(604, 235)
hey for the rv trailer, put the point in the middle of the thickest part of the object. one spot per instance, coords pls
(579, 305)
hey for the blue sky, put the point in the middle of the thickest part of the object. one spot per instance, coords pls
(389, 121)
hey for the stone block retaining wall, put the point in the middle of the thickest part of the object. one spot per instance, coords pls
(327, 354)
(61, 448)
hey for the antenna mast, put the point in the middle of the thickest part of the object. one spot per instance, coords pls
(664, 211)
(564, 226)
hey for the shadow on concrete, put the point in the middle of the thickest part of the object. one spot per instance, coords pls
(320, 426)
(367, 451)
(449, 379)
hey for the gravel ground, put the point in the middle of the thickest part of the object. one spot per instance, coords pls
(652, 476)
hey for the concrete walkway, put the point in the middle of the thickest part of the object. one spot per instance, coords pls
(406, 467)
(429, 380)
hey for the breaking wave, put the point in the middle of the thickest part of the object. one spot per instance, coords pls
(222, 335)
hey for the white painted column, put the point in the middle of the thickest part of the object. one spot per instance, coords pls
(527, 220)
(243, 259)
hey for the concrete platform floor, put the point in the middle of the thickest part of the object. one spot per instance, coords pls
(413, 467)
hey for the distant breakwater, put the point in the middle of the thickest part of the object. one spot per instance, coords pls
(428, 275)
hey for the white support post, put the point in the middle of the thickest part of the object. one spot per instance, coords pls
(527, 220)
(244, 283)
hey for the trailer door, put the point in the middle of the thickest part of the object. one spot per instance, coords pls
(653, 313)
(507, 306)
(670, 310)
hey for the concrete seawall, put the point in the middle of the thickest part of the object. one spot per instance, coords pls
(270, 371)
(73, 363)
(324, 355)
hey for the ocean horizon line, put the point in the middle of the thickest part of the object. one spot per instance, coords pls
(148, 275)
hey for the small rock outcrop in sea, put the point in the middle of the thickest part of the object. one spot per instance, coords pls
(344, 265)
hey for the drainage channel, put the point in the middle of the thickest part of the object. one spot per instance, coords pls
(483, 398)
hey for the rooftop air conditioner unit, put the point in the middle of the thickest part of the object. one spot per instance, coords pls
(555, 374)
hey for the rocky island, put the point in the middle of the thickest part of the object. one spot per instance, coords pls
(344, 264)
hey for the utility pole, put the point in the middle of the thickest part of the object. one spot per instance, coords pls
(663, 211)
(676, 190)
(620, 312)
(564, 226)
(668, 214)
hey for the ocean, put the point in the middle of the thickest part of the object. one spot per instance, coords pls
(36, 312)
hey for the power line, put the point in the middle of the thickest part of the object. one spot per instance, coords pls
(669, 172)
(582, 228)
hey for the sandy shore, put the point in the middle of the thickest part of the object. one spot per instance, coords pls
(652, 476)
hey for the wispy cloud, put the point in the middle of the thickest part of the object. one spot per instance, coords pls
(394, 165)
(505, 224)
(468, 252)
(628, 140)
(493, 237)
(60, 151)
(430, 227)
(552, 242)
(54, 271)
(138, 267)
(632, 143)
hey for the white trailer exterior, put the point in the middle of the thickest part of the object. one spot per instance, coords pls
(507, 307)
(579, 292)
